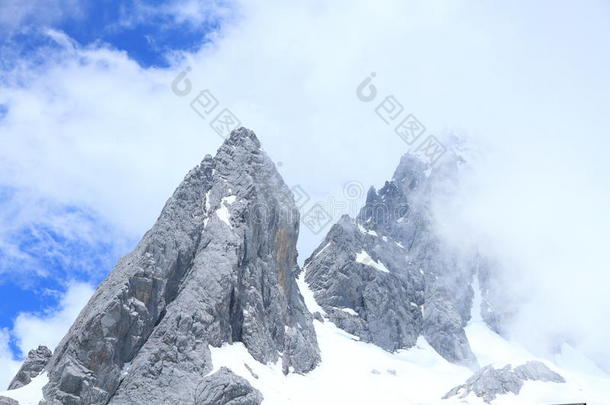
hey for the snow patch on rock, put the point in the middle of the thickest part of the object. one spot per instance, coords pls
(366, 231)
(365, 258)
(349, 311)
(308, 297)
(223, 212)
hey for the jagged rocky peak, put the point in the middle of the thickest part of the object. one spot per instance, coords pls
(386, 276)
(488, 382)
(217, 267)
(32, 366)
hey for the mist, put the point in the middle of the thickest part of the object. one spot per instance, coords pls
(90, 127)
(536, 209)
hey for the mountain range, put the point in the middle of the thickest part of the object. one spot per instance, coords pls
(212, 307)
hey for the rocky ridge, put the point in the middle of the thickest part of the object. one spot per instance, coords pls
(217, 267)
(489, 382)
(8, 401)
(32, 366)
(386, 277)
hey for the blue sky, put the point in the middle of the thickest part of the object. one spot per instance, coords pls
(146, 40)
(146, 29)
(43, 257)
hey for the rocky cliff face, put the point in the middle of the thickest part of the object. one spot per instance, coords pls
(387, 278)
(32, 366)
(218, 267)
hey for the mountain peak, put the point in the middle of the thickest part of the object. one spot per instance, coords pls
(243, 137)
(213, 269)
(397, 282)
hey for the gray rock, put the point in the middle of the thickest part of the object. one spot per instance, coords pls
(498, 307)
(225, 388)
(408, 284)
(8, 401)
(217, 267)
(359, 298)
(32, 366)
(252, 373)
(537, 371)
(488, 382)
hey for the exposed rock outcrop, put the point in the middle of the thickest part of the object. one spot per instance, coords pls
(8, 401)
(386, 277)
(489, 382)
(218, 266)
(537, 371)
(32, 366)
(225, 388)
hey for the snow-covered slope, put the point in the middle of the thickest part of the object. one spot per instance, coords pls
(358, 373)
(29, 394)
(351, 371)
(355, 372)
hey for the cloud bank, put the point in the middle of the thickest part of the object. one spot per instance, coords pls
(526, 83)
(47, 328)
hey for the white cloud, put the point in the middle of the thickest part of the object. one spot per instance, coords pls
(527, 81)
(194, 13)
(40, 237)
(540, 212)
(31, 330)
(9, 365)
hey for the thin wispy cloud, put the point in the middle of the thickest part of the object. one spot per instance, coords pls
(46, 327)
(14, 14)
(9, 364)
(41, 238)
